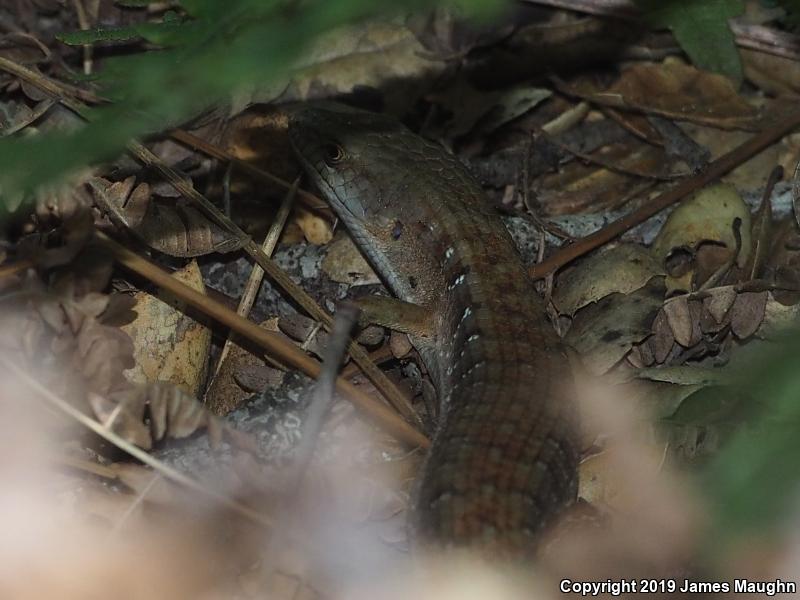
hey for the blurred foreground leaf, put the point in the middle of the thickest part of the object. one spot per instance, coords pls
(215, 49)
(753, 483)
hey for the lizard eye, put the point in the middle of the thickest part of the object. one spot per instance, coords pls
(334, 154)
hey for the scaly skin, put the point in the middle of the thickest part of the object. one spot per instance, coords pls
(504, 458)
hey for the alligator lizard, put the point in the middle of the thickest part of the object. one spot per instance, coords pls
(503, 462)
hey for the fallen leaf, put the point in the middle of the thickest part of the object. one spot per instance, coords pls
(747, 313)
(169, 345)
(367, 55)
(683, 317)
(621, 269)
(662, 339)
(604, 332)
(719, 302)
(676, 91)
(344, 263)
(315, 229)
(706, 217)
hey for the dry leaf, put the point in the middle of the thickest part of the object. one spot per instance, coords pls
(706, 217)
(369, 54)
(169, 345)
(621, 269)
(604, 332)
(679, 319)
(747, 313)
(677, 91)
(719, 302)
(344, 263)
(315, 229)
(231, 384)
(662, 339)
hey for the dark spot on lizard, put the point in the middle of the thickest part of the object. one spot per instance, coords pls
(397, 230)
(610, 336)
(412, 281)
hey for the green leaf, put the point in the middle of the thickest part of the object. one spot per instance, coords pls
(701, 28)
(99, 34)
(712, 404)
(753, 483)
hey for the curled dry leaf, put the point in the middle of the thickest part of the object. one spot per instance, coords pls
(172, 413)
(708, 216)
(171, 227)
(683, 316)
(622, 269)
(480, 111)
(169, 344)
(55, 206)
(315, 229)
(719, 302)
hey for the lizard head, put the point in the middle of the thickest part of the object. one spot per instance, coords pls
(349, 155)
(384, 182)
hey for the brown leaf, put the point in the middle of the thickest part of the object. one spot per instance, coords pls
(103, 353)
(345, 264)
(662, 339)
(680, 320)
(124, 416)
(719, 303)
(677, 91)
(173, 412)
(747, 313)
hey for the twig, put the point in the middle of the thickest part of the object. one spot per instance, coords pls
(715, 170)
(278, 345)
(136, 502)
(257, 274)
(83, 22)
(64, 407)
(321, 402)
(616, 168)
(346, 316)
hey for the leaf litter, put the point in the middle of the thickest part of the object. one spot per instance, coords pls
(666, 313)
